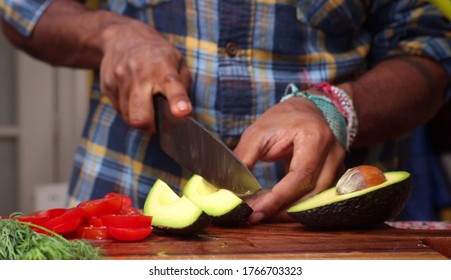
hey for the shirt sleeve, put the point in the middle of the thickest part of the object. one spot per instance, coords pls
(23, 14)
(409, 28)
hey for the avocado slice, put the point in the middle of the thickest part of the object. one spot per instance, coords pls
(356, 210)
(222, 205)
(173, 214)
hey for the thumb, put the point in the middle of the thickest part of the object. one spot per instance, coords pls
(177, 95)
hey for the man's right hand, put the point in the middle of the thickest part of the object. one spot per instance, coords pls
(137, 64)
(135, 61)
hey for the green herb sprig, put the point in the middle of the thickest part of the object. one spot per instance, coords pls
(19, 242)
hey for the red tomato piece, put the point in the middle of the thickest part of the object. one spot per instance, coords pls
(40, 217)
(50, 213)
(127, 221)
(95, 221)
(128, 210)
(129, 234)
(66, 222)
(126, 200)
(28, 219)
(101, 206)
(37, 220)
(93, 232)
(67, 226)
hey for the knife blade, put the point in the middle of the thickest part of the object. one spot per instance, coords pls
(196, 149)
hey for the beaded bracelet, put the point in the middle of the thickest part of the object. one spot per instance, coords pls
(344, 104)
(334, 117)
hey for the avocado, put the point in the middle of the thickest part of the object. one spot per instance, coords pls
(173, 214)
(224, 207)
(361, 209)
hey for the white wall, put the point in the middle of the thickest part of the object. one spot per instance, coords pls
(52, 105)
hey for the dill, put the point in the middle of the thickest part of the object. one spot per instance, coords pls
(19, 242)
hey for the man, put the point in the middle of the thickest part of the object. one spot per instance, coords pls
(361, 73)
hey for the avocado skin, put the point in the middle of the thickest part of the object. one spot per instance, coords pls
(236, 217)
(360, 212)
(197, 227)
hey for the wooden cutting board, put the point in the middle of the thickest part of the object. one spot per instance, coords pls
(287, 241)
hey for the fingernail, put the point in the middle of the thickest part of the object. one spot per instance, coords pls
(182, 105)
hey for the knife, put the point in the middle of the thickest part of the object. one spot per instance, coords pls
(196, 149)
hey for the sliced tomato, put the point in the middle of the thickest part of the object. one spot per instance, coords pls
(95, 221)
(129, 234)
(37, 220)
(67, 226)
(126, 200)
(50, 213)
(127, 204)
(66, 222)
(28, 219)
(127, 221)
(39, 217)
(101, 206)
(128, 210)
(93, 232)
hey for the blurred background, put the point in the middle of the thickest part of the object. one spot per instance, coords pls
(42, 112)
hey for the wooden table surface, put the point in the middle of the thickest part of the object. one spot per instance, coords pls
(287, 241)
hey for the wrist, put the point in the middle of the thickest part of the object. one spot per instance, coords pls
(111, 27)
(123, 33)
(348, 88)
(336, 106)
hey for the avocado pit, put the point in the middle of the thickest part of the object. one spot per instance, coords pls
(359, 178)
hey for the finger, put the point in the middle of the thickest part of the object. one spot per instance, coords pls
(124, 82)
(313, 156)
(108, 87)
(333, 168)
(140, 106)
(325, 180)
(274, 205)
(300, 178)
(281, 217)
(177, 95)
(270, 203)
(248, 148)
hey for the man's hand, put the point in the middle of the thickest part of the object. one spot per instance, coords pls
(135, 61)
(139, 63)
(296, 132)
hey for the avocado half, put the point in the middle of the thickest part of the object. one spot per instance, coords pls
(223, 206)
(173, 214)
(357, 210)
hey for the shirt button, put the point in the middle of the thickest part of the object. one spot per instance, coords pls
(231, 49)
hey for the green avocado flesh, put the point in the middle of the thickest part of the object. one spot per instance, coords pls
(222, 205)
(357, 210)
(173, 214)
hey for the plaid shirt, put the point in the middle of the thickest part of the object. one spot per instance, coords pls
(242, 54)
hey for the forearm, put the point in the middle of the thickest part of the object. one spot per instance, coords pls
(67, 35)
(396, 96)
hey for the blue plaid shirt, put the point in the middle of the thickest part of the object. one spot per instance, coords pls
(275, 43)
